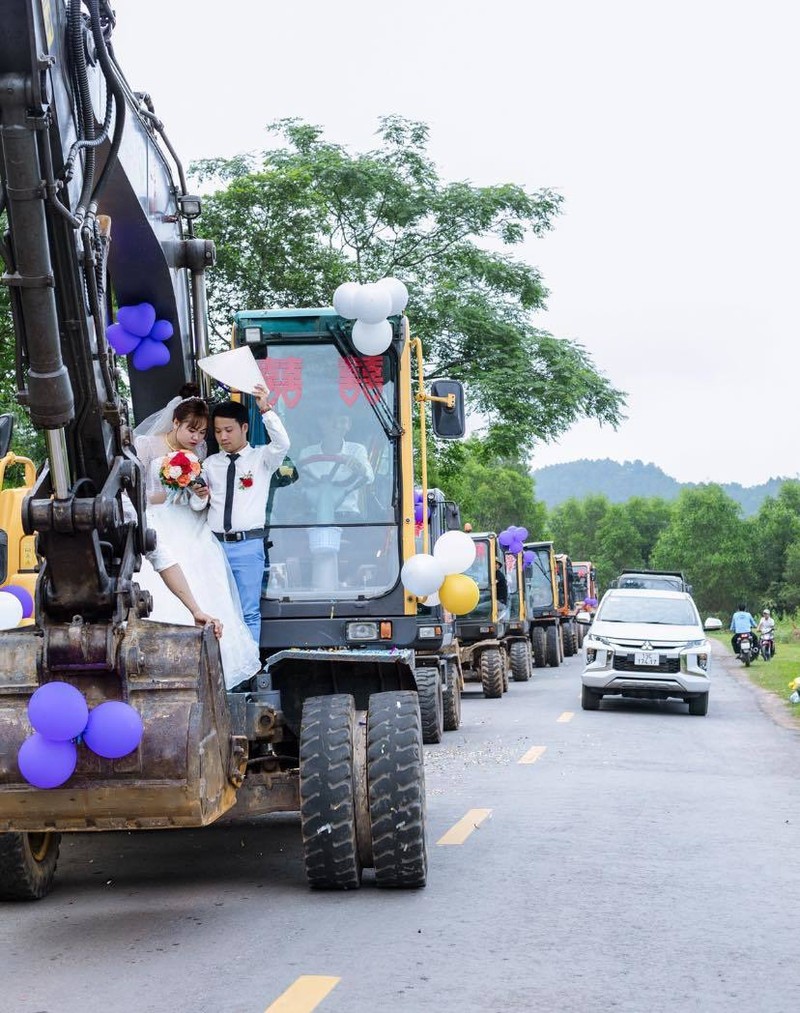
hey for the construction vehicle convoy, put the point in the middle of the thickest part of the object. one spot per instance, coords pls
(481, 633)
(568, 605)
(99, 216)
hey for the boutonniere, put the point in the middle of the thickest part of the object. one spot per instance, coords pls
(246, 480)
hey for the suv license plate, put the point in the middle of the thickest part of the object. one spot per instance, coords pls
(643, 658)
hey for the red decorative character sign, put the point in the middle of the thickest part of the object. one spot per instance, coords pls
(357, 374)
(284, 378)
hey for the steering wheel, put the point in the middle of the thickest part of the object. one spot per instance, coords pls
(357, 479)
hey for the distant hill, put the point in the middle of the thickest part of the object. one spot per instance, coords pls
(619, 482)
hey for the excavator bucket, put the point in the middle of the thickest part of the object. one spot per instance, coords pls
(185, 771)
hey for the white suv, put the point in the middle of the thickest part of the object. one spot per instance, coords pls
(648, 644)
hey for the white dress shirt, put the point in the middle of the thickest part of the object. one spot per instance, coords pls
(254, 469)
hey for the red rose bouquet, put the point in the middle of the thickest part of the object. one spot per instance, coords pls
(178, 472)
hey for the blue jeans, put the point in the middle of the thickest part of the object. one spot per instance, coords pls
(246, 561)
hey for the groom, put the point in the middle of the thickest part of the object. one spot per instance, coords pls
(237, 486)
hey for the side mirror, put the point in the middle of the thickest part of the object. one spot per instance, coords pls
(712, 624)
(452, 515)
(584, 618)
(448, 423)
(6, 432)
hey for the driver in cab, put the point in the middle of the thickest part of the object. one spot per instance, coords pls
(338, 462)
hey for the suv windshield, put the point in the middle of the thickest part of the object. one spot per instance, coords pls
(332, 509)
(660, 611)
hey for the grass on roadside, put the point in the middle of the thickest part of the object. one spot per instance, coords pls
(776, 674)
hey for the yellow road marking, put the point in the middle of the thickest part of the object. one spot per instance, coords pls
(458, 833)
(533, 754)
(304, 994)
(566, 716)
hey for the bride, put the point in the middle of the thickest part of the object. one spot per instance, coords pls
(184, 536)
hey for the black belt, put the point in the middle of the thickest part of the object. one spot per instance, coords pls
(240, 536)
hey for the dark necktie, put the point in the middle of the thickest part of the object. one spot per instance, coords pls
(229, 484)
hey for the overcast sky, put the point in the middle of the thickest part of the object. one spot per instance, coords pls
(671, 129)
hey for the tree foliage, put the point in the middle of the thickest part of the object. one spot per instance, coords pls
(294, 222)
(492, 492)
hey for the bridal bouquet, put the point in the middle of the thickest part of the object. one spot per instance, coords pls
(178, 472)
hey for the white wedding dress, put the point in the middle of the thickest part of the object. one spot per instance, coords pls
(186, 538)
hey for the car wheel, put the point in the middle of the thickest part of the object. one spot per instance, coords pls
(699, 705)
(590, 699)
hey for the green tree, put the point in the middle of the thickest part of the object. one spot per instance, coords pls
(574, 525)
(294, 222)
(491, 492)
(775, 530)
(619, 545)
(707, 538)
(649, 516)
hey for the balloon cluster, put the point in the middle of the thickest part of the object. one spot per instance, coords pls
(61, 719)
(369, 306)
(512, 538)
(138, 333)
(440, 577)
(16, 604)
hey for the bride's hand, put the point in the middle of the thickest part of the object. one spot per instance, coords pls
(204, 619)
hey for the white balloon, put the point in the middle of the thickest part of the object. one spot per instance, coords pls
(372, 339)
(422, 574)
(372, 303)
(455, 550)
(398, 293)
(432, 599)
(11, 610)
(344, 299)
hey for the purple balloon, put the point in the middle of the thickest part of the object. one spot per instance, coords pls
(418, 508)
(23, 596)
(162, 331)
(528, 557)
(515, 547)
(58, 711)
(138, 319)
(114, 729)
(505, 539)
(122, 341)
(520, 533)
(46, 764)
(418, 495)
(150, 354)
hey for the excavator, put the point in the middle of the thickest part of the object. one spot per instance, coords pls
(98, 216)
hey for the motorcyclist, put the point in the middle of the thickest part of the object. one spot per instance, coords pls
(741, 622)
(766, 627)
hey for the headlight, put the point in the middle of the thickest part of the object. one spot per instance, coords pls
(702, 661)
(591, 654)
(362, 631)
(429, 632)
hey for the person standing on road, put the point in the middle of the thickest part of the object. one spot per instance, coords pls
(741, 622)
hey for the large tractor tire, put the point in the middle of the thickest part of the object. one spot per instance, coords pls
(505, 672)
(553, 646)
(27, 865)
(396, 789)
(521, 660)
(327, 804)
(580, 631)
(431, 704)
(570, 645)
(491, 666)
(539, 646)
(452, 698)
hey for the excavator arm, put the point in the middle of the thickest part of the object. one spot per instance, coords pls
(94, 216)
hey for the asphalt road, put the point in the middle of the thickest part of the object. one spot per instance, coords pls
(641, 860)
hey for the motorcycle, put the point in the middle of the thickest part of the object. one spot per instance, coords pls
(767, 645)
(746, 648)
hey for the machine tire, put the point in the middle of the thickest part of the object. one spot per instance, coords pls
(396, 781)
(452, 698)
(553, 642)
(431, 704)
(581, 633)
(491, 668)
(539, 646)
(521, 662)
(505, 673)
(699, 705)
(590, 699)
(27, 865)
(570, 646)
(327, 803)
